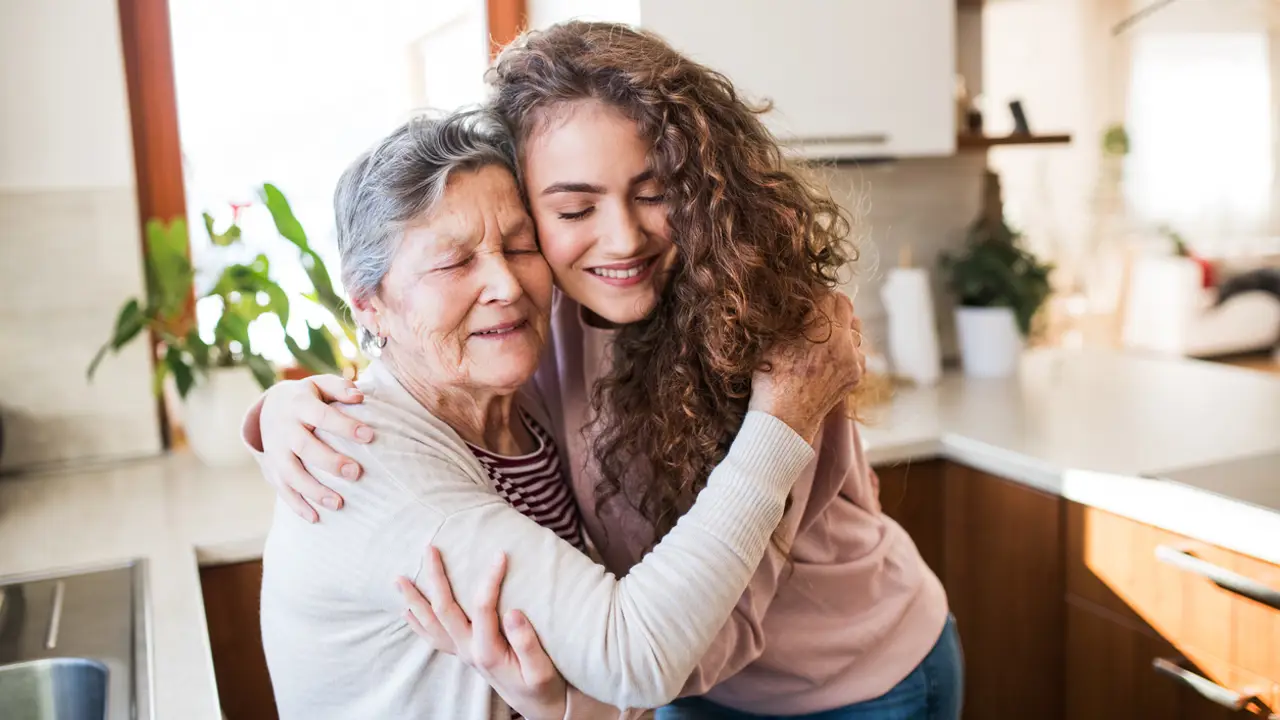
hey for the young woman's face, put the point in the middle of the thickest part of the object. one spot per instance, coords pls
(601, 216)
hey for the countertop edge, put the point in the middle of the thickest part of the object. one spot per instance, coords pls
(1206, 516)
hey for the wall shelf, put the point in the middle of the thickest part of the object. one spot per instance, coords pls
(981, 142)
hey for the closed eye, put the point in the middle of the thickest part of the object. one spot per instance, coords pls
(652, 199)
(460, 264)
(576, 215)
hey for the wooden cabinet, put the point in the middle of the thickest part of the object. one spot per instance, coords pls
(1071, 612)
(1004, 578)
(231, 594)
(996, 545)
(853, 78)
(911, 493)
(1149, 592)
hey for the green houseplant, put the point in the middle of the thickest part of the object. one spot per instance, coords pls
(323, 353)
(999, 287)
(218, 375)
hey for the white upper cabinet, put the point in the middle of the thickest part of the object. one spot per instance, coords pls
(847, 78)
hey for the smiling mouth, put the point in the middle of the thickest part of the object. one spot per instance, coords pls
(624, 271)
(499, 331)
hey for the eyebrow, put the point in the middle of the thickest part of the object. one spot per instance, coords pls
(580, 187)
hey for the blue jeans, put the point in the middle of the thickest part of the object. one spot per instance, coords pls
(933, 691)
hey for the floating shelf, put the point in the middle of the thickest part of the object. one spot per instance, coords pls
(979, 142)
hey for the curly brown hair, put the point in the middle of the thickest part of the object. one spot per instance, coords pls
(758, 245)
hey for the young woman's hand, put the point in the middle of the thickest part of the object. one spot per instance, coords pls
(289, 414)
(808, 378)
(516, 666)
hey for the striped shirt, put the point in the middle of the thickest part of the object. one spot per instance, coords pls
(536, 485)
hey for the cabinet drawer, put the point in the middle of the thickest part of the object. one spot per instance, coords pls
(1215, 606)
(1111, 563)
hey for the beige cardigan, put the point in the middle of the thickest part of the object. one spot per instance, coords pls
(335, 641)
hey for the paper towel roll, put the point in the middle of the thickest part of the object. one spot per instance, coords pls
(913, 331)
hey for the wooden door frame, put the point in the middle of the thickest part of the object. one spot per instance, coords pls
(506, 19)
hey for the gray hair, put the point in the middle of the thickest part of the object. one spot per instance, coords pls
(403, 178)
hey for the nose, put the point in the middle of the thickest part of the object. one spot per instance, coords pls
(500, 284)
(622, 236)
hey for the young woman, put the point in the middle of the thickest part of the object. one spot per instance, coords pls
(685, 247)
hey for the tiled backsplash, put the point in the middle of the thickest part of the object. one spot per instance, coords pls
(68, 261)
(925, 204)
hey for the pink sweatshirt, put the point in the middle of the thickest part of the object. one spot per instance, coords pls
(846, 616)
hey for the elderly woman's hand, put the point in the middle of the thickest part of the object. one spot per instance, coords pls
(515, 666)
(283, 429)
(809, 377)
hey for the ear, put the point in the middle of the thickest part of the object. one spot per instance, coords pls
(367, 312)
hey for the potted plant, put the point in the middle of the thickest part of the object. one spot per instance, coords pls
(323, 353)
(217, 376)
(999, 287)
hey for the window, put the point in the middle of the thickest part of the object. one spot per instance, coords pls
(290, 93)
(1200, 123)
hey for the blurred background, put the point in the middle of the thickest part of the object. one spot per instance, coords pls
(1068, 213)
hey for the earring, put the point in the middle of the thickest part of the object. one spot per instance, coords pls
(380, 341)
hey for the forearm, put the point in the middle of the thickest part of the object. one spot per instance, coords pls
(633, 642)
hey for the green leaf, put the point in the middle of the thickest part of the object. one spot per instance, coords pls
(198, 348)
(182, 375)
(129, 322)
(322, 345)
(221, 239)
(281, 212)
(233, 326)
(307, 360)
(169, 271)
(261, 368)
(320, 355)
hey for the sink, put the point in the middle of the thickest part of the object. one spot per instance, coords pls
(75, 645)
(54, 689)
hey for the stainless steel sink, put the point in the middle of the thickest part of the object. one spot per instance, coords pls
(57, 689)
(75, 646)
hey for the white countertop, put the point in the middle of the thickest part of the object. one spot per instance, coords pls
(1113, 431)
(173, 512)
(1092, 427)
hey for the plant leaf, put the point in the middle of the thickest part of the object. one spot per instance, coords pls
(198, 348)
(261, 368)
(307, 359)
(233, 326)
(129, 322)
(182, 375)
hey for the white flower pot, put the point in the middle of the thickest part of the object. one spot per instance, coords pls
(212, 412)
(990, 343)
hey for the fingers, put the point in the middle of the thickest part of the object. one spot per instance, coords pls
(488, 647)
(316, 413)
(314, 453)
(535, 664)
(332, 388)
(294, 477)
(295, 502)
(446, 609)
(422, 620)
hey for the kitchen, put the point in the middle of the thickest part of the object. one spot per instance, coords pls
(1076, 510)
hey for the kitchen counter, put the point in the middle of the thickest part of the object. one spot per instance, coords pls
(1189, 446)
(171, 511)
(1179, 444)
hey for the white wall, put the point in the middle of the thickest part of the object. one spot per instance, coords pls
(548, 12)
(69, 244)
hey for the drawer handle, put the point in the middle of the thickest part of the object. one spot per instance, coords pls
(1205, 687)
(1220, 576)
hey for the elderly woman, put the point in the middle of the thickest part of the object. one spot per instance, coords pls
(442, 267)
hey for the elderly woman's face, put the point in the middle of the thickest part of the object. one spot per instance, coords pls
(467, 298)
